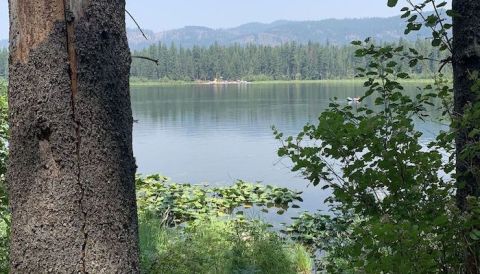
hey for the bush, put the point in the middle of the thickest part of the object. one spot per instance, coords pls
(393, 195)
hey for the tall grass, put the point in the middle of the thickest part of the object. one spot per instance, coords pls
(218, 246)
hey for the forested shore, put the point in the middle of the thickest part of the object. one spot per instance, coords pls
(290, 61)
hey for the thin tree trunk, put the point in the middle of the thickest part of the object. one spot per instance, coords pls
(71, 171)
(466, 60)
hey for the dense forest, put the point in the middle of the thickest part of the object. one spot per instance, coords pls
(290, 61)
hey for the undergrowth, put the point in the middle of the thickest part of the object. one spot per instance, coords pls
(218, 246)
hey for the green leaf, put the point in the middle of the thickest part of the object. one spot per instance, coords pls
(392, 3)
(413, 62)
(406, 14)
(443, 4)
(436, 42)
(475, 235)
(452, 13)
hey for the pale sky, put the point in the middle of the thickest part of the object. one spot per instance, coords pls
(160, 15)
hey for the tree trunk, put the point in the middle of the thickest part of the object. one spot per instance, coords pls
(71, 171)
(466, 60)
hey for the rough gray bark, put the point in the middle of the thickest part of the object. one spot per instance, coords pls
(466, 60)
(71, 171)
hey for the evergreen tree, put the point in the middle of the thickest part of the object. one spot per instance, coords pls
(289, 61)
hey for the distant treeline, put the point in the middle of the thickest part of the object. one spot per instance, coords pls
(290, 61)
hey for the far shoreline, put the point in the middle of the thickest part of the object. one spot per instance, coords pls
(161, 83)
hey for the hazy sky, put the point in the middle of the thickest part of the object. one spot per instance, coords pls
(168, 14)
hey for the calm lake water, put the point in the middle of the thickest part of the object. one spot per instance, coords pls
(218, 134)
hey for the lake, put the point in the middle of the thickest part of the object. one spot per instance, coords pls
(218, 134)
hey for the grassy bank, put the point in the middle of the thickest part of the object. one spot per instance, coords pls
(218, 246)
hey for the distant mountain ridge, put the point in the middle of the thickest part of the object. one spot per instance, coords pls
(335, 31)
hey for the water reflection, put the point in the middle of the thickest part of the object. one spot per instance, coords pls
(218, 134)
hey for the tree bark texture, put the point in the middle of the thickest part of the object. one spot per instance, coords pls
(466, 62)
(71, 171)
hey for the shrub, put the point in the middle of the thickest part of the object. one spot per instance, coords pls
(394, 195)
